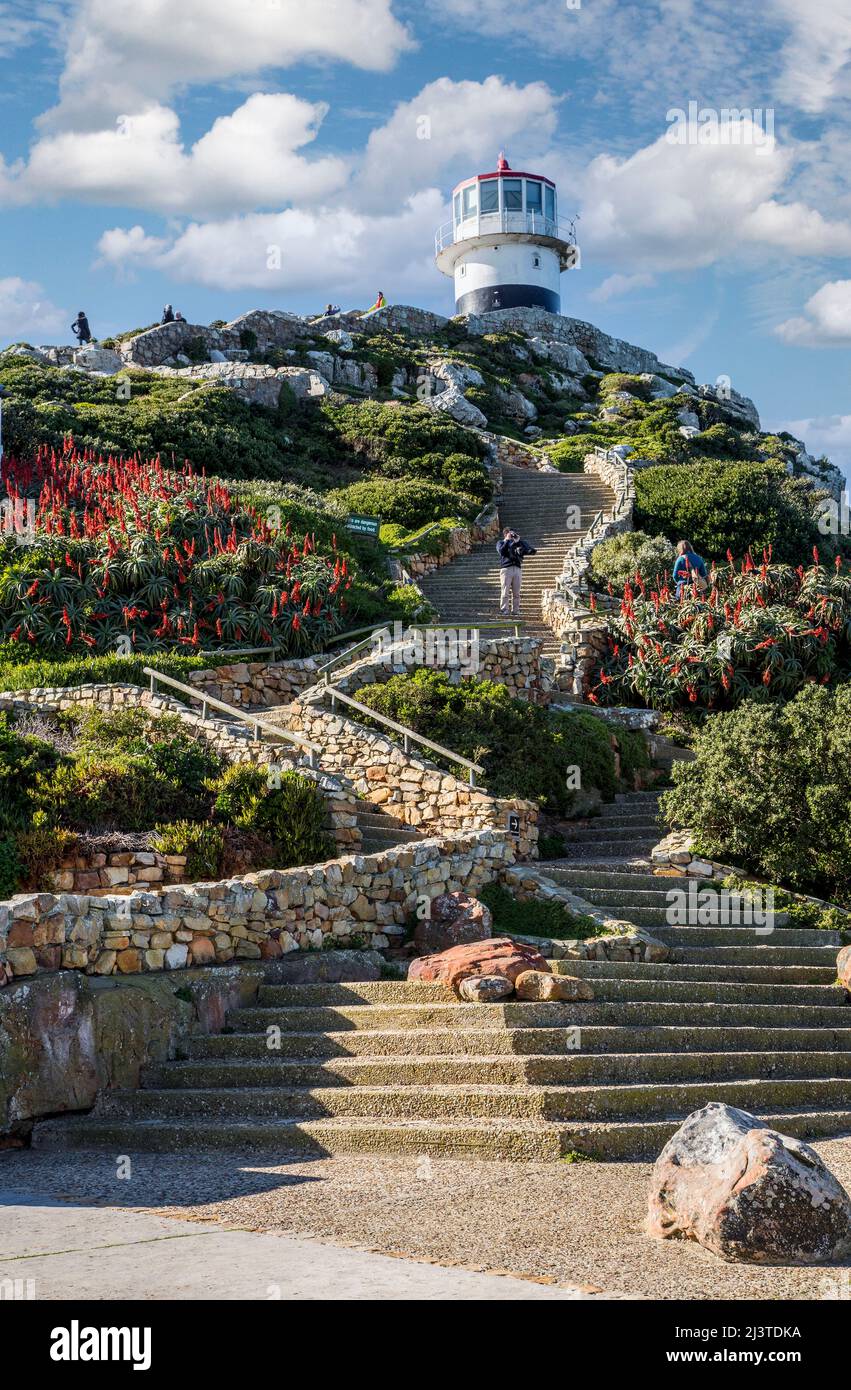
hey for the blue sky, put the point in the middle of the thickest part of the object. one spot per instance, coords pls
(153, 151)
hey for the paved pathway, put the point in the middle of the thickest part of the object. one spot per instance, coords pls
(97, 1252)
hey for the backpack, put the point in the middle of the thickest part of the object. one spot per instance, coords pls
(695, 577)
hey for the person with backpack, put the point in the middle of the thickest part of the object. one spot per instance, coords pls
(689, 569)
(512, 551)
(80, 329)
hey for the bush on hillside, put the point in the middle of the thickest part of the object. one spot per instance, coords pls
(616, 561)
(408, 504)
(769, 791)
(525, 750)
(733, 506)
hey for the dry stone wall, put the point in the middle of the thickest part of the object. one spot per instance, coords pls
(356, 899)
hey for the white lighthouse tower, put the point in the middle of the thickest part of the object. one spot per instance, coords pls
(504, 245)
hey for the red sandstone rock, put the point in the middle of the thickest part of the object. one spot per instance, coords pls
(539, 985)
(497, 956)
(747, 1192)
(454, 920)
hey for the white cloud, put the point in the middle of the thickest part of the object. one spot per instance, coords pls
(334, 251)
(817, 54)
(826, 320)
(26, 313)
(615, 286)
(686, 206)
(124, 54)
(456, 125)
(247, 159)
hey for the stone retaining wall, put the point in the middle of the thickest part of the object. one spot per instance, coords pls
(408, 785)
(229, 740)
(514, 662)
(257, 684)
(569, 608)
(357, 899)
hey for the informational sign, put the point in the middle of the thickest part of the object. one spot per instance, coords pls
(365, 525)
(513, 823)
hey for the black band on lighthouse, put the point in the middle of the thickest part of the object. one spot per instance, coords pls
(485, 301)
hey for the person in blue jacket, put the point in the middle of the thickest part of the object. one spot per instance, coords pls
(689, 569)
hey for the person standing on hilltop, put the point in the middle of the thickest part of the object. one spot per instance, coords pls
(80, 329)
(512, 551)
(689, 569)
(168, 314)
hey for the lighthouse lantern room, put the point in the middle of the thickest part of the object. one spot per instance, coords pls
(504, 246)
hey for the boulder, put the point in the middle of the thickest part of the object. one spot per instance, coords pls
(455, 920)
(843, 967)
(539, 984)
(747, 1192)
(498, 956)
(485, 989)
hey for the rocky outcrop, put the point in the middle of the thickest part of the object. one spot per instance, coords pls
(498, 956)
(452, 380)
(255, 333)
(454, 919)
(598, 348)
(747, 1192)
(256, 385)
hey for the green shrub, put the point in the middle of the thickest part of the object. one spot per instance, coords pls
(525, 750)
(409, 503)
(203, 846)
(23, 759)
(769, 791)
(616, 561)
(11, 868)
(536, 916)
(286, 810)
(174, 754)
(124, 792)
(41, 850)
(738, 506)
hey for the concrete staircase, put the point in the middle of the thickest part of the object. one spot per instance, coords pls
(536, 505)
(381, 831)
(623, 834)
(400, 1067)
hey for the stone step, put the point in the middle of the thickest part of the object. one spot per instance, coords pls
(539, 1141)
(498, 1040)
(472, 1102)
(545, 1069)
(628, 897)
(305, 1018)
(759, 974)
(637, 985)
(754, 955)
(619, 816)
(641, 828)
(581, 879)
(737, 936)
(635, 988)
(609, 846)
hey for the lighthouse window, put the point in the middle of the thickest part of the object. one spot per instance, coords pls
(550, 194)
(533, 197)
(456, 203)
(489, 196)
(512, 195)
(470, 201)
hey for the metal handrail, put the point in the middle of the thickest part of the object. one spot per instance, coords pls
(408, 735)
(250, 722)
(351, 652)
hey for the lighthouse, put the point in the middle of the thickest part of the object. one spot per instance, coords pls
(504, 246)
